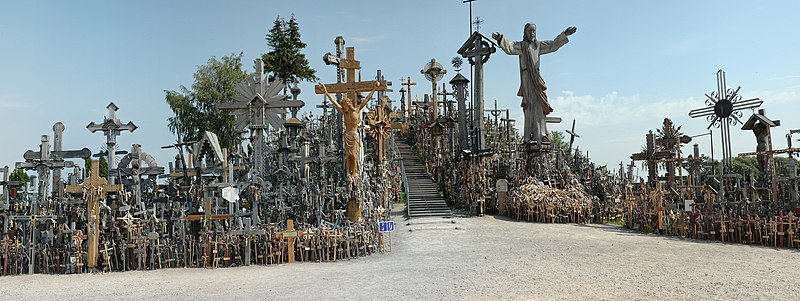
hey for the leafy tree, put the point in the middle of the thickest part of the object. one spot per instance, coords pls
(558, 142)
(284, 60)
(194, 108)
(87, 165)
(19, 174)
(743, 167)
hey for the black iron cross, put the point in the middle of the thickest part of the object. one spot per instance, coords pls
(723, 110)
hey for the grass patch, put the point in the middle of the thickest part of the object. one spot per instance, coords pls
(403, 198)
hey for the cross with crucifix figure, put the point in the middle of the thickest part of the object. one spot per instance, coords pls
(496, 125)
(351, 113)
(761, 126)
(380, 125)
(44, 161)
(408, 85)
(111, 127)
(94, 190)
(33, 236)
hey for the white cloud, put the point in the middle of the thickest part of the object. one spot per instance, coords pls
(613, 108)
(371, 39)
(7, 103)
(776, 96)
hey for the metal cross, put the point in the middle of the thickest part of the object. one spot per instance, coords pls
(408, 84)
(723, 110)
(478, 21)
(572, 135)
(470, 13)
(111, 127)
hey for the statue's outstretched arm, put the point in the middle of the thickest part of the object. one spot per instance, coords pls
(507, 46)
(335, 104)
(369, 96)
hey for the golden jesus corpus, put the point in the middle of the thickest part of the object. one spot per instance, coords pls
(351, 116)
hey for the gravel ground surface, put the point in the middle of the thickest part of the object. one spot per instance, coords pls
(469, 258)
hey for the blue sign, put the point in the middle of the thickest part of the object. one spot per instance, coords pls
(386, 226)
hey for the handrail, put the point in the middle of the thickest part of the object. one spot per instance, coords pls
(403, 172)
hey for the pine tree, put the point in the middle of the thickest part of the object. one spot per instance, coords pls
(285, 61)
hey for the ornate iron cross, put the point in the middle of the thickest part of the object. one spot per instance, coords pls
(722, 111)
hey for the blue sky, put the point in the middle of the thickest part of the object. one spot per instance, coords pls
(631, 63)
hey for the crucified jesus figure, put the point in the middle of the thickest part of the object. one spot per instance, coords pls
(351, 115)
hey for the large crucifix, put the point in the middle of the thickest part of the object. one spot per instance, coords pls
(761, 126)
(351, 113)
(94, 190)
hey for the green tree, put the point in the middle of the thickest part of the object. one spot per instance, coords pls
(87, 165)
(743, 167)
(557, 139)
(285, 61)
(194, 108)
(19, 174)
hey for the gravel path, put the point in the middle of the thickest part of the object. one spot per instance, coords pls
(472, 258)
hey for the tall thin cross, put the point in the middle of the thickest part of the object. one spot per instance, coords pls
(723, 109)
(58, 131)
(408, 84)
(470, 13)
(572, 135)
(447, 109)
(495, 125)
(111, 127)
(379, 77)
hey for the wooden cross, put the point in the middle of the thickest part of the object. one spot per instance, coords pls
(352, 115)
(78, 238)
(650, 155)
(408, 84)
(105, 250)
(290, 235)
(380, 125)
(572, 135)
(762, 126)
(94, 191)
(350, 65)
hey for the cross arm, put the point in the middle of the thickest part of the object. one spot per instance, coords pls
(351, 87)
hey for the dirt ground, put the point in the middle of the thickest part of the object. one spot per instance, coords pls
(469, 258)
